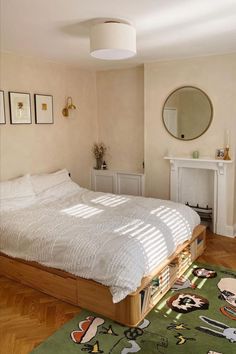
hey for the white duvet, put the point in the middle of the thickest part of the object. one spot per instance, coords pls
(114, 240)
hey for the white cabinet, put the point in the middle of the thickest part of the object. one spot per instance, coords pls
(117, 182)
(128, 183)
(103, 181)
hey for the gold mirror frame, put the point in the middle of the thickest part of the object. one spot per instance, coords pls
(211, 116)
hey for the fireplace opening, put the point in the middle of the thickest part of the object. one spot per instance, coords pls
(206, 214)
(196, 189)
(202, 183)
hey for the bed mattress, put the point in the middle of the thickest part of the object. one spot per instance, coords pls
(114, 240)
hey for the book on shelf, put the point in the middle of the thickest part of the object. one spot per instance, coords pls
(199, 240)
(186, 260)
(145, 299)
(184, 256)
(142, 294)
(164, 280)
(173, 267)
(155, 285)
(156, 297)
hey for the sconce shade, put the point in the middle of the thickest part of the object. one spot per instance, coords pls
(69, 105)
(112, 41)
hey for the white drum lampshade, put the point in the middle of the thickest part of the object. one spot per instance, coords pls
(112, 41)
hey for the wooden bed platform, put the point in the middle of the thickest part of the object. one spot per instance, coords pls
(96, 297)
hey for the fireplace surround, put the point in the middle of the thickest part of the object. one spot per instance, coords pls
(219, 172)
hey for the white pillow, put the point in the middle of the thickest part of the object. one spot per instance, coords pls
(16, 194)
(62, 190)
(16, 188)
(43, 182)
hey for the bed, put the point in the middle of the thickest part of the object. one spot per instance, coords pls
(92, 249)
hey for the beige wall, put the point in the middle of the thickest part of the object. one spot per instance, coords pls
(121, 117)
(216, 76)
(111, 109)
(66, 143)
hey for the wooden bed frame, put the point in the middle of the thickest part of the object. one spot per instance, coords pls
(96, 297)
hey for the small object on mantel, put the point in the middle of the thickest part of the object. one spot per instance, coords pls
(104, 165)
(226, 155)
(203, 159)
(195, 154)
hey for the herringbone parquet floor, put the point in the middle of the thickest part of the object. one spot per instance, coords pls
(28, 317)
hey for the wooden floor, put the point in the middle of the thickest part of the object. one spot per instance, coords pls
(220, 250)
(28, 317)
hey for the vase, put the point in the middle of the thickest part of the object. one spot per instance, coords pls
(98, 164)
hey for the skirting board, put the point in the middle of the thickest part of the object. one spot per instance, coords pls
(229, 231)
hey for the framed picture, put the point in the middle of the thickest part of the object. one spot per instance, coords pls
(20, 109)
(43, 109)
(220, 154)
(2, 108)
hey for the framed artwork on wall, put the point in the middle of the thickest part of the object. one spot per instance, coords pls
(2, 108)
(20, 109)
(43, 109)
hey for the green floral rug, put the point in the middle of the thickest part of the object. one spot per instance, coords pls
(198, 316)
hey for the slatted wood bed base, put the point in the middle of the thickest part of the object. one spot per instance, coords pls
(91, 295)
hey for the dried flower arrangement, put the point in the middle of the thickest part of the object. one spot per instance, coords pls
(99, 150)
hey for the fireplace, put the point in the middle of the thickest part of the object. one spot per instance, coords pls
(196, 189)
(201, 184)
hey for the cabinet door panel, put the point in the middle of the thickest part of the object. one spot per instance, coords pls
(129, 184)
(104, 182)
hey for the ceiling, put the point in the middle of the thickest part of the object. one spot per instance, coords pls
(58, 30)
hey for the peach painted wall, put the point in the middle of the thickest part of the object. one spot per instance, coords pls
(216, 75)
(66, 143)
(121, 117)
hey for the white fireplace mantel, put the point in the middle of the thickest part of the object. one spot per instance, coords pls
(219, 167)
(209, 164)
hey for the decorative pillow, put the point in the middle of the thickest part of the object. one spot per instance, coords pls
(43, 182)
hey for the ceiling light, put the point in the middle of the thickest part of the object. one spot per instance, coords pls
(112, 40)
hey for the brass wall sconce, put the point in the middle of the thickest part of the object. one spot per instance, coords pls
(69, 105)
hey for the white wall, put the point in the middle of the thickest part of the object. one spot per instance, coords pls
(216, 76)
(66, 143)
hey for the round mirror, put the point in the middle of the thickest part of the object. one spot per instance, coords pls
(187, 113)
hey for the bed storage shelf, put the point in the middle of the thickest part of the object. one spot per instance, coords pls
(164, 280)
(97, 297)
